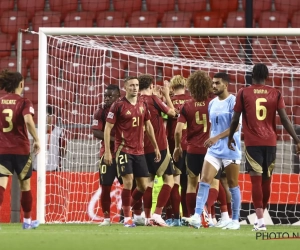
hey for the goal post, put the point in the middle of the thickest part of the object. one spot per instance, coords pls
(75, 65)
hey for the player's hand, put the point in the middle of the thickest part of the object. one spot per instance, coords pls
(165, 90)
(157, 155)
(177, 153)
(298, 149)
(157, 91)
(36, 147)
(211, 141)
(107, 158)
(232, 141)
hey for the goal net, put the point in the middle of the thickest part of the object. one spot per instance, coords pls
(75, 65)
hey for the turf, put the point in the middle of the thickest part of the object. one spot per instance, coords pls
(90, 236)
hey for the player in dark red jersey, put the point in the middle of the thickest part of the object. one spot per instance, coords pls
(194, 115)
(130, 116)
(178, 87)
(15, 119)
(165, 166)
(107, 174)
(259, 104)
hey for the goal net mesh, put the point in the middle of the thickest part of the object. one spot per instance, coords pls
(79, 68)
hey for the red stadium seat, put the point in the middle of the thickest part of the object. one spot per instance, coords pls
(285, 51)
(30, 7)
(224, 6)
(273, 19)
(262, 48)
(111, 19)
(89, 94)
(296, 115)
(295, 22)
(170, 70)
(224, 48)
(30, 47)
(45, 19)
(12, 21)
(160, 6)
(192, 48)
(137, 66)
(208, 20)
(77, 69)
(287, 6)
(63, 7)
(80, 114)
(79, 19)
(95, 6)
(174, 19)
(160, 48)
(5, 45)
(113, 71)
(236, 19)
(6, 5)
(53, 69)
(143, 19)
(60, 94)
(60, 50)
(191, 5)
(258, 7)
(127, 6)
(10, 63)
(31, 90)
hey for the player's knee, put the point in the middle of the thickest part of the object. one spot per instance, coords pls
(232, 183)
(25, 185)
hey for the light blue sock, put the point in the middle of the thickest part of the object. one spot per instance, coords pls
(235, 202)
(202, 196)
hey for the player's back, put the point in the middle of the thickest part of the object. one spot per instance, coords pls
(13, 132)
(259, 104)
(198, 126)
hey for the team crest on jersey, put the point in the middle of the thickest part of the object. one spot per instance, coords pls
(141, 110)
(95, 122)
(128, 112)
(31, 110)
(110, 115)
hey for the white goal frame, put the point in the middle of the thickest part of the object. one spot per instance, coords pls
(42, 74)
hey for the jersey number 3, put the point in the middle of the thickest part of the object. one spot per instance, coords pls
(8, 118)
(261, 111)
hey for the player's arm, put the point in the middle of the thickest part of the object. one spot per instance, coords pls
(107, 153)
(288, 125)
(31, 128)
(166, 93)
(150, 133)
(100, 135)
(178, 136)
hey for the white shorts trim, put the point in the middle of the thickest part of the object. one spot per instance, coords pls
(218, 162)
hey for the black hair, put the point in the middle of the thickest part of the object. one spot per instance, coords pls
(113, 88)
(49, 110)
(260, 73)
(145, 81)
(224, 76)
(9, 81)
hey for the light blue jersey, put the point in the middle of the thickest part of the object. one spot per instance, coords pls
(220, 115)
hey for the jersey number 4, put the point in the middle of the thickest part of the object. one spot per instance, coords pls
(261, 110)
(201, 122)
(8, 118)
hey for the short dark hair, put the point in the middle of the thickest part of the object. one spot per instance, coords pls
(113, 88)
(260, 72)
(128, 78)
(49, 110)
(9, 81)
(224, 76)
(145, 81)
(199, 85)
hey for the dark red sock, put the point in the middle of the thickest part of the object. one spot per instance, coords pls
(191, 203)
(257, 194)
(136, 201)
(126, 200)
(2, 190)
(162, 198)
(26, 203)
(105, 201)
(212, 197)
(229, 209)
(266, 189)
(183, 203)
(222, 198)
(147, 197)
(213, 211)
(175, 199)
(169, 209)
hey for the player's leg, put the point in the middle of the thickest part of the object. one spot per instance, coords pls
(222, 198)
(137, 205)
(23, 168)
(107, 177)
(183, 185)
(254, 161)
(227, 194)
(5, 171)
(232, 169)
(125, 169)
(212, 197)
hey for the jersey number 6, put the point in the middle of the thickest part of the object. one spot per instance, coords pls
(261, 111)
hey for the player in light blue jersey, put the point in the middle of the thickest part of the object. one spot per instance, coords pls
(218, 154)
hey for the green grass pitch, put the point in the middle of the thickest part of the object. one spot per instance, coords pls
(91, 236)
